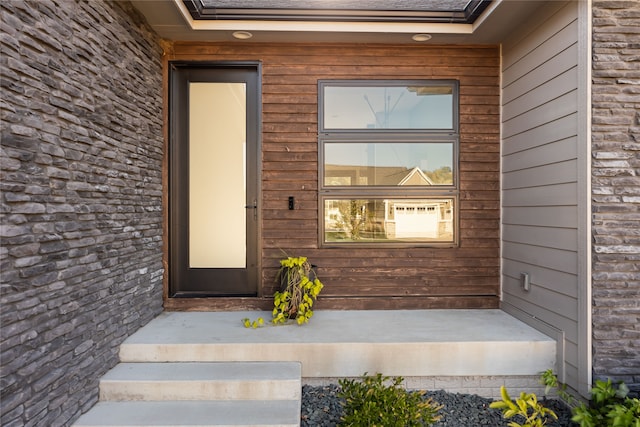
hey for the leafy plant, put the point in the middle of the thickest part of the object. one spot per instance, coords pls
(299, 291)
(550, 381)
(609, 407)
(381, 401)
(526, 406)
(300, 287)
(248, 323)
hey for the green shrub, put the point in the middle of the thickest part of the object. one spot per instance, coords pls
(609, 407)
(382, 401)
(526, 406)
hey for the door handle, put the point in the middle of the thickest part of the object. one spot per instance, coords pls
(254, 206)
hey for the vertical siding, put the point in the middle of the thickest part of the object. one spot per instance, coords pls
(540, 201)
(466, 276)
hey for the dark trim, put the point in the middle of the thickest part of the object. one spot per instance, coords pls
(199, 11)
(453, 84)
(445, 136)
(323, 196)
(185, 282)
(474, 9)
(363, 190)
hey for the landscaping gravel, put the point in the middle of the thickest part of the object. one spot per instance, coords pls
(321, 407)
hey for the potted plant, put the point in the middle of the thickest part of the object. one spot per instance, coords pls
(299, 288)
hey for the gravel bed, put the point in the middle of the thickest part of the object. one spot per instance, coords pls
(321, 407)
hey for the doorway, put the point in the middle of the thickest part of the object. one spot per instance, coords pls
(213, 179)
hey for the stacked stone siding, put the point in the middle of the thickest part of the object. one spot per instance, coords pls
(81, 212)
(616, 190)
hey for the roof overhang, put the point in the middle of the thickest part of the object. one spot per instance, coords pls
(485, 23)
(446, 11)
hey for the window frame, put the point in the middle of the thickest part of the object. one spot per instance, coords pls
(454, 84)
(337, 192)
(404, 138)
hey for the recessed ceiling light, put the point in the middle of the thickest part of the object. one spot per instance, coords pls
(421, 37)
(242, 35)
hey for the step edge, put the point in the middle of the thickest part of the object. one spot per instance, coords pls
(102, 413)
(262, 371)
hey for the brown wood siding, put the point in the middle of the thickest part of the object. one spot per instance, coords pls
(371, 278)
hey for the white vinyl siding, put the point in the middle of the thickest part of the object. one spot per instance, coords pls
(540, 168)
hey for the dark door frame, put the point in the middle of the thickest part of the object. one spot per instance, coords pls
(179, 274)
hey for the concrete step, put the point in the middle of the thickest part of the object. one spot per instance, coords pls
(198, 394)
(338, 344)
(247, 413)
(202, 381)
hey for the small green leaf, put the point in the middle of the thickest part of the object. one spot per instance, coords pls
(498, 404)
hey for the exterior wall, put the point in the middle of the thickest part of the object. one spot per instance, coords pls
(543, 156)
(616, 191)
(467, 276)
(81, 215)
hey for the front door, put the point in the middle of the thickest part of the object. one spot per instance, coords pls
(213, 179)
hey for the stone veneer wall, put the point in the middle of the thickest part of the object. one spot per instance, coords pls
(616, 190)
(81, 211)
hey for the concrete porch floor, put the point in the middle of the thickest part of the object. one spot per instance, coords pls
(336, 344)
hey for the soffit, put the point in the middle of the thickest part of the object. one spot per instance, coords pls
(172, 20)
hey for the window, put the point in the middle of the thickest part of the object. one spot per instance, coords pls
(388, 162)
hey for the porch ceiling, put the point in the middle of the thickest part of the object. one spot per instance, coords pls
(172, 20)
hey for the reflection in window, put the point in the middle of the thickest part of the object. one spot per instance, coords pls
(388, 164)
(387, 220)
(388, 170)
(419, 106)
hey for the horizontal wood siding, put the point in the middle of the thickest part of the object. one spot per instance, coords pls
(539, 173)
(466, 276)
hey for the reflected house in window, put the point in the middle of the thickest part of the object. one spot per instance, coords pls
(405, 219)
(388, 152)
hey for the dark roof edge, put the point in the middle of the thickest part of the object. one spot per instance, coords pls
(199, 11)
